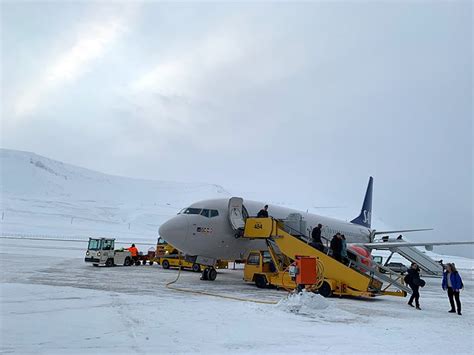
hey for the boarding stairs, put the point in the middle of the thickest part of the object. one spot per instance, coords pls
(380, 272)
(428, 266)
(356, 278)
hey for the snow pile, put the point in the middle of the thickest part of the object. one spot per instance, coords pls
(307, 303)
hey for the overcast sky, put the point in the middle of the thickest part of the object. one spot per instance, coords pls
(290, 103)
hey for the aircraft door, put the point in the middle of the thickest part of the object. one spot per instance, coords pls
(235, 213)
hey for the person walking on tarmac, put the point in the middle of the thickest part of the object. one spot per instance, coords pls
(414, 281)
(452, 282)
(336, 246)
(316, 241)
(263, 213)
(134, 251)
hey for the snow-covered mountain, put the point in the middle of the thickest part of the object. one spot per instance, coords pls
(41, 196)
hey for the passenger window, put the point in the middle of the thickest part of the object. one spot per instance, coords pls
(205, 213)
(253, 259)
(214, 213)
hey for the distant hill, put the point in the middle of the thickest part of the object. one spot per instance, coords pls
(46, 197)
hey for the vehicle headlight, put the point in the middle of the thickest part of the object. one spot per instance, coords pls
(98, 253)
(87, 252)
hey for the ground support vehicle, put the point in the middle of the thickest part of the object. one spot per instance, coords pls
(168, 256)
(101, 252)
(352, 279)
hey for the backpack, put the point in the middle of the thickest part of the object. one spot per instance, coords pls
(420, 282)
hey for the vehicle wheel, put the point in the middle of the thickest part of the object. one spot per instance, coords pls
(260, 281)
(137, 263)
(144, 262)
(127, 262)
(96, 265)
(151, 262)
(109, 262)
(205, 274)
(325, 290)
(196, 267)
(212, 274)
(165, 264)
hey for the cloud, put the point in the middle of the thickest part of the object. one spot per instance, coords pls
(93, 40)
(185, 70)
(197, 84)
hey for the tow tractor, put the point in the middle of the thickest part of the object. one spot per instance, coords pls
(276, 266)
(101, 251)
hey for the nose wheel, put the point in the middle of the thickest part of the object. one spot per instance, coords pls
(209, 274)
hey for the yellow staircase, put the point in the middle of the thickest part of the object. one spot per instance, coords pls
(339, 278)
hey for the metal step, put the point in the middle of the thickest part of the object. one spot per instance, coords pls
(428, 265)
(390, 277)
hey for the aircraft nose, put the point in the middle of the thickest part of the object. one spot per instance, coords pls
(175, 230)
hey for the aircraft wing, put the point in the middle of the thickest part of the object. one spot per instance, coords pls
(402, 231)
(388, 245)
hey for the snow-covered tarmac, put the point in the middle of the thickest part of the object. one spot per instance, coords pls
(53, 303)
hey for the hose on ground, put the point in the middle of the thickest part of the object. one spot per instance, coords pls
(169, 286)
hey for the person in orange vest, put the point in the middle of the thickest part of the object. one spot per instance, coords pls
(134, 251)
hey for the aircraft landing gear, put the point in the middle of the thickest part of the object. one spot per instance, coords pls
(209, 274)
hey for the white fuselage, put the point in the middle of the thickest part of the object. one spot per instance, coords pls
(212, 236)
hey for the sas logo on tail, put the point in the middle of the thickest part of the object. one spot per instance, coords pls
(367, 216)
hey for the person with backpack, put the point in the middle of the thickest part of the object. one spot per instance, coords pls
(452, 283)
(414, 281)
(336, 247)
(316, 241)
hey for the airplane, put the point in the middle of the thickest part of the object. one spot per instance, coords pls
(208, 230)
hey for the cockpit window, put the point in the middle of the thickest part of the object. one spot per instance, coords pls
(191, 210)
(205, 212)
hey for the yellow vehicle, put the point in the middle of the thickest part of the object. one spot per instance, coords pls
(164, 248)
(272, 267)
(168, 256)
(179, 262)
(261, 268)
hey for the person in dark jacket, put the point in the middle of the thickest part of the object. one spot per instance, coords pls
(413, 280)
(316, 241)
(336, 247)
(263, 213)
(452, 282)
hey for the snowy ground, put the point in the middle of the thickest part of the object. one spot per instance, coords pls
(53, 303)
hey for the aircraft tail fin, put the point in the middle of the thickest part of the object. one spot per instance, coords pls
(365, 216)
